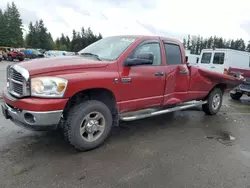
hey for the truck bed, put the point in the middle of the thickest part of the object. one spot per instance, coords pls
(229, 80)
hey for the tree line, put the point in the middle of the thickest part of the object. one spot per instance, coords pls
(196, 43)
(38, 36)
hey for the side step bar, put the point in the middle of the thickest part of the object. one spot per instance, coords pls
(159, 112)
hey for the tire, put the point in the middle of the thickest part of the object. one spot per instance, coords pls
(20, 59)
(10, 58)
(75, 119)
(212, 108)
(236, 96)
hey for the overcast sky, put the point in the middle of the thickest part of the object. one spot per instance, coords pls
(175, 18)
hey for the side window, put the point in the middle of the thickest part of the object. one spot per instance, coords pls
(173, 54)
(153, 48)
(219, 58)
(206, 58)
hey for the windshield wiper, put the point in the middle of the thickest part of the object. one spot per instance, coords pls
(90, 54)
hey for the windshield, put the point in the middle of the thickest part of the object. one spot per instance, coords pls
(109, 48)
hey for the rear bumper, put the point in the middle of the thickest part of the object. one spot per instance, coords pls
(39, 121)
(240, 89)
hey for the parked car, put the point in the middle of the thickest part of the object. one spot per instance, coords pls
(54, 53)
(1, 56)
(108, 82)
(15, 54)
(5, 51)
(12, 53)
(219, 60)
(244, 88)
(33, 54)
(41, 50)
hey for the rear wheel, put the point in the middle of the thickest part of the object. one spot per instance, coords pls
(214, 102)
(88, 125)
(236, 96)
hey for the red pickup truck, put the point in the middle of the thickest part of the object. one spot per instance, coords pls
(118, 78)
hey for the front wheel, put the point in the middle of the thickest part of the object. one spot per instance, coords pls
(236, 96)
(20, 58)
(88, 125)
(214, 102)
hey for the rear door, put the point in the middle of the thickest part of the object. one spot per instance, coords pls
(177, 74)
(205, 61)
(218, 63)
(142, 86)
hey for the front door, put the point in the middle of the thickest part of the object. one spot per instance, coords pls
(143, 86)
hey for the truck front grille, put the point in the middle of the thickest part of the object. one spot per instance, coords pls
(18, 81)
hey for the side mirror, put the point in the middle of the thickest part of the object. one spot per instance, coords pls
(141, 59)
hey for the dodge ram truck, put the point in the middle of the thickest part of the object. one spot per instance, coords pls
(117, 78)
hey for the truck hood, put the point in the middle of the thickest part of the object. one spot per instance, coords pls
(52, 64)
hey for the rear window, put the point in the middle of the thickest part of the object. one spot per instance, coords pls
(219, 58)
(173, 54)
(206, 58)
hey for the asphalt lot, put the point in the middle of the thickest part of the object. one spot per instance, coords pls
(183, 149)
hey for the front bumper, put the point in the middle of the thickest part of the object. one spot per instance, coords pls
(33, 120)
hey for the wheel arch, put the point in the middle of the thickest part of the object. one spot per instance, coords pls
(101, 94)
(221, 86)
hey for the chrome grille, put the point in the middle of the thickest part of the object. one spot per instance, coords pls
(16, 76)
(18, 81)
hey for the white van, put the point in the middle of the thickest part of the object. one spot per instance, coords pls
(219, 60)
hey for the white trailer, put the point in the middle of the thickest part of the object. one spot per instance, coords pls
(192, 59)
(219, 60)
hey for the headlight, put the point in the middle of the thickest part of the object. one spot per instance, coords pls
(48, 87)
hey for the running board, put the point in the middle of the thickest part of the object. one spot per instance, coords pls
(160, 112)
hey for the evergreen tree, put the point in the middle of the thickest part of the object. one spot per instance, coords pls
(198, 43)
(12, 26)
(188, 42)
(248, 46)
(184, 43)
(3, 31)
(39, 37)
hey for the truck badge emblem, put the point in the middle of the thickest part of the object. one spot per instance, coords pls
(116, 80)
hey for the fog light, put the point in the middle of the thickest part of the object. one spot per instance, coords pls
(29, 118)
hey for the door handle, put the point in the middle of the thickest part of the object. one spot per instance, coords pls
(159, 73)
(183, 72)
(212, 67)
